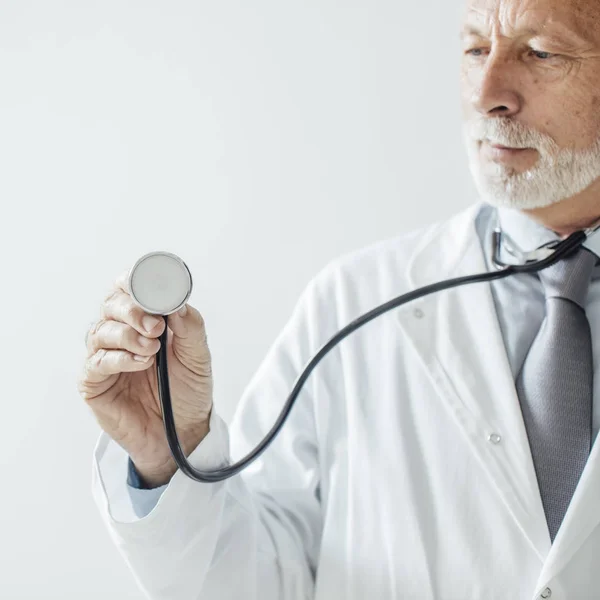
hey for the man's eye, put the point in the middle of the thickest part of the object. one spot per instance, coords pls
(542, 55)
(475, 51)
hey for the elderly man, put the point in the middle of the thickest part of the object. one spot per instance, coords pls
(444, 451)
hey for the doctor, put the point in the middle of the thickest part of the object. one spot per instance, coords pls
(444, 451)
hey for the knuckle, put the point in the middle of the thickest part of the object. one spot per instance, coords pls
(80, 382)
(88, 370)
(92, 338)
(107, 307)
(89, 332)
(122, 281)
(113, 335)
(97, 360)
(131, 312)
(86, 395)
(110, 295)
(83, 388)
(96, 326)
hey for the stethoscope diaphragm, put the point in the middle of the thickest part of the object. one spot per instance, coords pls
(160, 283)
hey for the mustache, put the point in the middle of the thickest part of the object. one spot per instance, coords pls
(506, 132)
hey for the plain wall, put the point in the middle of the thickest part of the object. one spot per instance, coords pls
(256, 140)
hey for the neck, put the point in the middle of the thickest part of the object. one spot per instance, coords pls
(571, 214)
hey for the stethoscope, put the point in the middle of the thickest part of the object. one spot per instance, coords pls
(161, 283)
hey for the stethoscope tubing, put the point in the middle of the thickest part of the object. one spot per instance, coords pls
(563, 248)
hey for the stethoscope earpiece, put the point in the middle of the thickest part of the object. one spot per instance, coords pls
(160, 283)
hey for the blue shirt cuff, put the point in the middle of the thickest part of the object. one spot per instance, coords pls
(134, 479)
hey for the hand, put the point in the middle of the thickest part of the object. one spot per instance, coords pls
(122, 391)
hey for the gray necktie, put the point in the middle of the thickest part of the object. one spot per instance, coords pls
(555, 385)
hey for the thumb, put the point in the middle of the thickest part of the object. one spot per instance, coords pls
(189, 332)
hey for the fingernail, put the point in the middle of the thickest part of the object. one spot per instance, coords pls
(141, 358)
(182, 311)
(150, 322)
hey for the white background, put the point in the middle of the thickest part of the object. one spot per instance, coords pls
(256, 140)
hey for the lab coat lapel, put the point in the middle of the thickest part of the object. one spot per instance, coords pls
(582, 516)
(459, 341)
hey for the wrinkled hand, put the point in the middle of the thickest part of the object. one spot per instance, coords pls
(120, 384)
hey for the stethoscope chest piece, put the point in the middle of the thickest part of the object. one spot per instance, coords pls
(160, 283)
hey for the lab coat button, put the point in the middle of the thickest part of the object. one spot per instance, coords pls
(495, 439)
(418, 313)
(546, 593)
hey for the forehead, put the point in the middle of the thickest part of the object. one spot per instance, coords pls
(509, 17)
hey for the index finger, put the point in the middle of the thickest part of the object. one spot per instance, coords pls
(122, 281)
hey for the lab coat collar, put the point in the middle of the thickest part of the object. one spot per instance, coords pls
(459, 341)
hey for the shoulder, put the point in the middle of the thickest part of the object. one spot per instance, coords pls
(383, 264)
(377, 266)
(357, 281)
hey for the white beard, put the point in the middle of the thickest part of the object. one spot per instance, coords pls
(558, 173)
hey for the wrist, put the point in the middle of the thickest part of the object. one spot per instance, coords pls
(155, 474)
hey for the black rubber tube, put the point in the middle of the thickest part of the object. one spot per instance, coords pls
(564, 248)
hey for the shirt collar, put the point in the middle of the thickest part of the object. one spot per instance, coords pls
(529, 234)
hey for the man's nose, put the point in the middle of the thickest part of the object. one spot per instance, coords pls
(496, 93)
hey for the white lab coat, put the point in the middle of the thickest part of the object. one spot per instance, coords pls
(388, 481)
